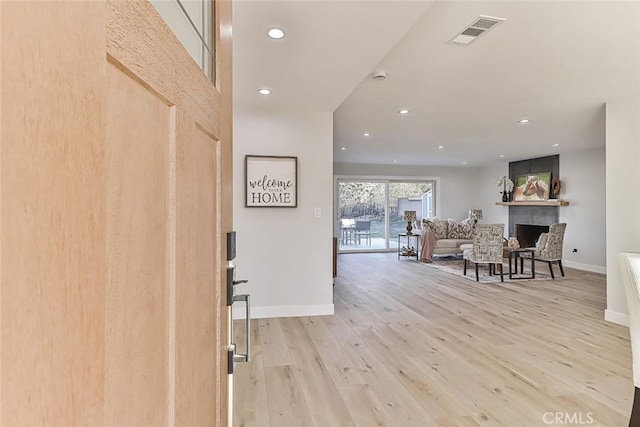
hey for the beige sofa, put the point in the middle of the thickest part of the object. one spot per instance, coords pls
(449, 234)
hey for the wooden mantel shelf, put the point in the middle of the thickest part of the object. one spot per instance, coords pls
(534, 203)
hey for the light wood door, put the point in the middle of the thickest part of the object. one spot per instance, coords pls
(113, 150)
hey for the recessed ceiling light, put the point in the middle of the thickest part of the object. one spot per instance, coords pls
(264, 91)
(403, 111)
(275, 33)
(501, 155)
(523, 121)
(440, 147)
(464, 163)
(395, 161)
(555, 145)
(366, 134)
(343, 148)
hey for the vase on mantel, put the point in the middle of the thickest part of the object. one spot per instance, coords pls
(505, 196)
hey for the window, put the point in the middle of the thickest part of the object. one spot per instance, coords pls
(192, 23)
(370, 211)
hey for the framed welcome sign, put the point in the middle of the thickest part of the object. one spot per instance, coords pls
(271, 181)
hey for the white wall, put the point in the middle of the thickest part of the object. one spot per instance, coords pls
(582, 174)
(454, 196)
(285, 253)
(623, 195)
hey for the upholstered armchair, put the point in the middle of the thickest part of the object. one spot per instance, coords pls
(630, 269)
(551, 250)
(487, 248)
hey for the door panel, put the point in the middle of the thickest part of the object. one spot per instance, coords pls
(362, 202)
(137, 144)
(197, 267)
(199, 115)
(134, 32)
(52, 213)
(407, 196)
(113, 149)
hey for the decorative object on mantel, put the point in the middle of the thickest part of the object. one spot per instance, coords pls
(409, 216)
(507, 187)
(533, 186)
(555, 186)
(513, 243)
(475, 215)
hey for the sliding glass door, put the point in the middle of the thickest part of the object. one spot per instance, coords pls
(408, 196)
(370, 211)
(362, 210)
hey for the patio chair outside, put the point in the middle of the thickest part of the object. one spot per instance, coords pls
(347, 230)
(363, 229)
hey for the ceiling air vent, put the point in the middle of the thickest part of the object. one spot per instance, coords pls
(475, 30)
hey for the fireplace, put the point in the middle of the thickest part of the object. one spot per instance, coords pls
(528, 234)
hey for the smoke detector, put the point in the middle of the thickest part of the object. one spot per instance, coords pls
(379, 75)
(476, 29)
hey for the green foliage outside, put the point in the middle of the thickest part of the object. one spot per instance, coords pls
(361, 199)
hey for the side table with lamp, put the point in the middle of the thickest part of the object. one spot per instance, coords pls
(409, 251)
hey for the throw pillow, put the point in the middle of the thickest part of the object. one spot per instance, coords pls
(542, 241)
(460, 229)
(468, 225)
(439, 228)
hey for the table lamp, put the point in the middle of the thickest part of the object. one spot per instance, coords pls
(409, 216)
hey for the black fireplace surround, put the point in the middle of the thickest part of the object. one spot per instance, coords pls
(527, 234)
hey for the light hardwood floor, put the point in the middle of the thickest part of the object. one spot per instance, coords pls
(411, 346)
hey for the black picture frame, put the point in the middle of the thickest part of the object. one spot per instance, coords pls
(271, 181)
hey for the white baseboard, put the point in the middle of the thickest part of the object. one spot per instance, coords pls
(617, 318)
(268, 312)
(585, 267)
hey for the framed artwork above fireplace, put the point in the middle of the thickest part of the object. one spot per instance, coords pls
(533, 186)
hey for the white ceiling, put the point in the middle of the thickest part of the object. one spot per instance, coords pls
(555, 63)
